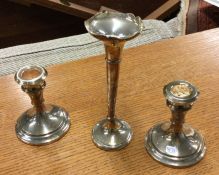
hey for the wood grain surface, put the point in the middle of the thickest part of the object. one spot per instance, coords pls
(81, 88)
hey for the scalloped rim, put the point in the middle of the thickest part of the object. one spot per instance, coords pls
(137, 21)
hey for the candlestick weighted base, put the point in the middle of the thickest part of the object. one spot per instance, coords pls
(179, 150)
(43, 123)
(175, 143)
(43, 128)
(108, 136)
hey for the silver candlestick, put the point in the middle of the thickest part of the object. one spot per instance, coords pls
(43, 123)
(175, 143)
(114, 29)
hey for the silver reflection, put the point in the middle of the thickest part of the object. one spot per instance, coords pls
(114, 29)
(41, 124)
(175, 143)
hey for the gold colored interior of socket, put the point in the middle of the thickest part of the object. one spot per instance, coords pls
(181, 90)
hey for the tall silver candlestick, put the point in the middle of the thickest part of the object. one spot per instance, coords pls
(114, 29)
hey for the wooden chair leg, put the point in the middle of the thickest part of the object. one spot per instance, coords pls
(164, 10)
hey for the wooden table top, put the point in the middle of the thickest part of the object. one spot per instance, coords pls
(81, 88)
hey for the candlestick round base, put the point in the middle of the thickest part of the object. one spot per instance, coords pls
(111, 138)
(42, 128)
(178, 150)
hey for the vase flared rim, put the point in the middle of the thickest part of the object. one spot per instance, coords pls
(121, 26)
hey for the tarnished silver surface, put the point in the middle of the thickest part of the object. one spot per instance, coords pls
(175, 143)
(180, 92)
(41, 124)
(114, 29)
(107, 138)
(31, 75)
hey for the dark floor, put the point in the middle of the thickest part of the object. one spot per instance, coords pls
(22, 24)
(28, 24)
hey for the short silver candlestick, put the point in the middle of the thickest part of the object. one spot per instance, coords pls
(175, 143)
(114, 29)
(43, 123)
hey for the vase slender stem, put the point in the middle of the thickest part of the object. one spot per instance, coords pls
(114, 29)
(113, 58)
